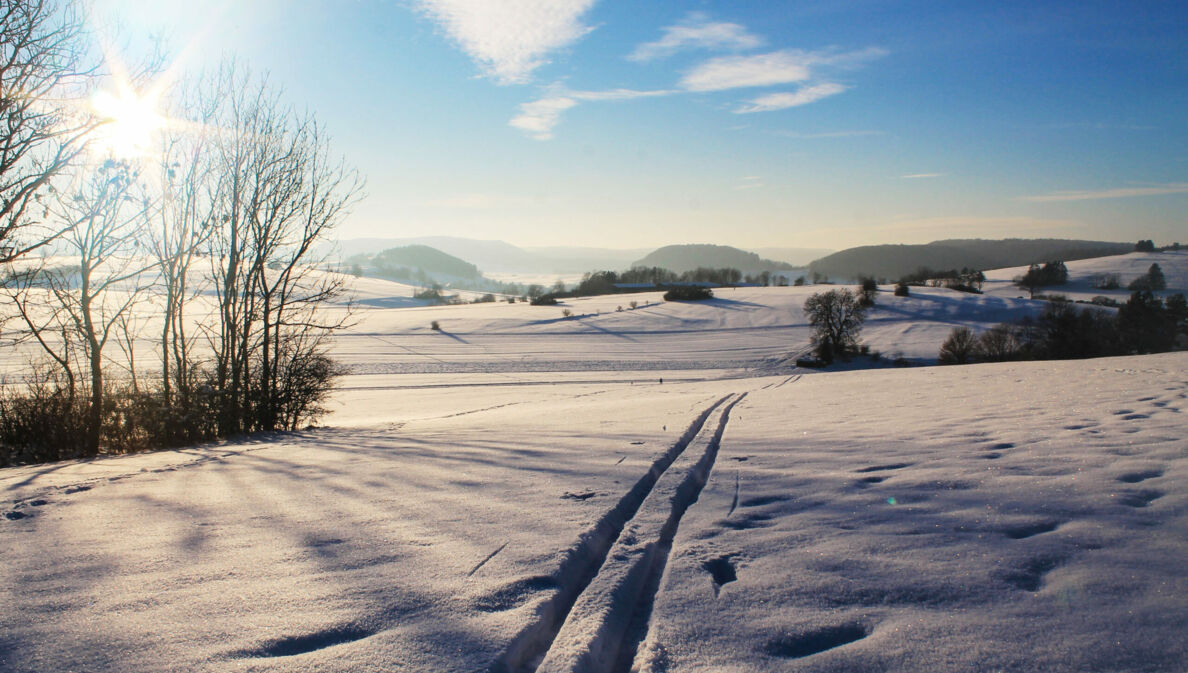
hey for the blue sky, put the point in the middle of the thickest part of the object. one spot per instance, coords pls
(751, 123)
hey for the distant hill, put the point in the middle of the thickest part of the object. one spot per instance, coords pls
(680, 258)
(893, 261)
(427, 259)
(502, 257)
(796, 256)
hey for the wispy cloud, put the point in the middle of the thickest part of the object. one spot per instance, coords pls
(696, 31)
(777, 67)
(750, 182)
(538, 118)
(918, 176)
(1119, 193)
(780, 101)
(511, 38)
(619, 94)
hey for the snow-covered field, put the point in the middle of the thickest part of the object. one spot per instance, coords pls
(1081, 274)
(520, 492)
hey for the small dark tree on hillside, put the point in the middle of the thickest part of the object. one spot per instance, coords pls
(1030, 281)
(597, 282)
(867, 289)
(836, 317)
(1055, 273)
(1177, 310)
(901, 289)
(1105, 281)
(1145, 325)
(959, 348)
(1153, 281)
(1145, 246)
(1068, 333)
(999, 344)
(1051, 273)
(1155, 274)
(688, 293)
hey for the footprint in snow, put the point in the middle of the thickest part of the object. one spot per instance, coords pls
(1141, 498)
(882, 468)
(514, 594)
(1029, 576)
(721, 570)
(585, 495)
(1026, 530)
(798, 646)
(1140, 475)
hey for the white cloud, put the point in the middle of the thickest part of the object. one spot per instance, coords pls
(918, 176)
(780, 101)
(696, 31)
(750, 182)
(1122, 192)
(777, 67)
(508, 39)
(618, 94)
(538, 118)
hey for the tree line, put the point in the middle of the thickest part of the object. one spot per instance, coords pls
(1144, 324)
(213, 233)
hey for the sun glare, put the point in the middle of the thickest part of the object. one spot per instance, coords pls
(129, 122)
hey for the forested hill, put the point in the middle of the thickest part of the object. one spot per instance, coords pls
(681, 258)
(430, 260)
(893, 261)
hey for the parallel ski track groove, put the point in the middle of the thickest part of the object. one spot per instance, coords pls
(583, 561)
(610, 618)
(637, 630)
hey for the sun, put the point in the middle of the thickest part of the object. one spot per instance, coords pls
(129, 122)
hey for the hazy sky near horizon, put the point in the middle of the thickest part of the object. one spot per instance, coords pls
(824, 123)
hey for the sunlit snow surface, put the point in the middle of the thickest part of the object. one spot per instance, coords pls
(520, 492)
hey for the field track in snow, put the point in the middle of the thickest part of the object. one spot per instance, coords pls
(610, 574)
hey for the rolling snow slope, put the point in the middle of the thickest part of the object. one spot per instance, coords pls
(991, 517)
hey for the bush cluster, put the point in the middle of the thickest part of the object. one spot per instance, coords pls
(1051, 273)
(44, 419)
(688, 293)
(965, 279)
(1144, 324)
(1152, 281)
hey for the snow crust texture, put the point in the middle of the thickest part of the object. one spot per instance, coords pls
(1008, 517)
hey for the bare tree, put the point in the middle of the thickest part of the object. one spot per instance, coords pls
(42, 76)
(959, 348)
(106, 224)
(836, 317)
(279, 194)
(34, 292)
(182, 225)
